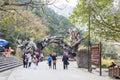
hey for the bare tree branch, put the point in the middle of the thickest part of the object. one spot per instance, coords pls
(59, 7)
(67, 1)
(50, 2)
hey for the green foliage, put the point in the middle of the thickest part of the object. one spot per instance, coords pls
(104, 17)
(57, 24)
(31, 22)
(108, 50)
(6, 27)
(52, 48)
(106, 61)
(104, 66)
(18, 27)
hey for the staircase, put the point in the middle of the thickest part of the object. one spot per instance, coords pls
(9, 63)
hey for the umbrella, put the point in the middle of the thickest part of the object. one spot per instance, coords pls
(3, 42)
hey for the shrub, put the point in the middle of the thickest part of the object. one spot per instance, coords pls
(104, 66)
(106, 61)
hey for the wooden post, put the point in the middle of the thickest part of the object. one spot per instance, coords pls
(100, 48)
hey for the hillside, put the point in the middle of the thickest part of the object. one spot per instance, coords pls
(56, 23)
(63, 9)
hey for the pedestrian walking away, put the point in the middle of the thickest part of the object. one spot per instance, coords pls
(29, 59)
(37, 57)
(65, 60)
(49, 59)
(25, 60)
(54, 59)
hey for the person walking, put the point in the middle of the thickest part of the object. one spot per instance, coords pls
(34, 61)
(41, 56)
(65, 60)
(25, 60)
(29, 59)
(54, 60)
(49, 59)
(37, 57)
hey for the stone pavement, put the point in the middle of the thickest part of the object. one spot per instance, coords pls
(5, 74)
(42, 72)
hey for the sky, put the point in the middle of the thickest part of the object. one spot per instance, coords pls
(63, 7)
(68, 2)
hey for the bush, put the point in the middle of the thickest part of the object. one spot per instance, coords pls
(106, 61)
(104, 66)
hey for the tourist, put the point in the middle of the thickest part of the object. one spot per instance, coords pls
(41, 56)
(37, 57)
(54, 60)
(34, 61)
(49, 59)
(65, 60)
(25, 60)
(29, 59)
(7, 52)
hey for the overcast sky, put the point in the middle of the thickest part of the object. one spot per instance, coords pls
(68, 2)
(63, 7)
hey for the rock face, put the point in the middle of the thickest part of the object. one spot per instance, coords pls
(82, 58)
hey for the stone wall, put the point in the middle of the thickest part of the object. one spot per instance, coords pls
(82, 58)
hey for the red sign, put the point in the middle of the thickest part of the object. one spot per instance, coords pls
(95, 54)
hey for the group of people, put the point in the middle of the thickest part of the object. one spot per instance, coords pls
(30, 58)
(52, 60)
(7, 51)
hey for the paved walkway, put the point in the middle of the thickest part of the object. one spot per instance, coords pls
(42, 72)
(4, 75)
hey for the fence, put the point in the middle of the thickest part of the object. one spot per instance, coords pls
(114, 70)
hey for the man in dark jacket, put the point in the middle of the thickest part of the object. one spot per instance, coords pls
(65, 61)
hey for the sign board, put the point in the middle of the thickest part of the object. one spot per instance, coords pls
(95, 54)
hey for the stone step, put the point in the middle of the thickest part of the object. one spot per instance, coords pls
(7, 63)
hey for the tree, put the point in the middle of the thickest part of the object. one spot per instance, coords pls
(104, 17)
(20, 26)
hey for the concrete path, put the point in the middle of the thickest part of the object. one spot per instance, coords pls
(42, 72)
(5, 74)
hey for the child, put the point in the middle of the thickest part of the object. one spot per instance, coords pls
(49, 59)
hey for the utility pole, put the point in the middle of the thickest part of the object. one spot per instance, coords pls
(89, 42)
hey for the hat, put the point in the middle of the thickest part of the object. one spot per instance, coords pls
(65, 52)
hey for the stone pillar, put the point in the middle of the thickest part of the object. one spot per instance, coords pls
(82, 58)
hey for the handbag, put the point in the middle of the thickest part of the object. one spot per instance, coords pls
(68, 63)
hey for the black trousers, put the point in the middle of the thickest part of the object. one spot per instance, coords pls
(29, 64)
(54, 66)
(25, 64)
(49, 63)
(65, 65)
